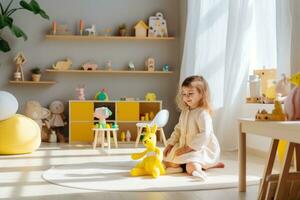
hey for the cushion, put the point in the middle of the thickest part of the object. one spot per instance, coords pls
(8, 105)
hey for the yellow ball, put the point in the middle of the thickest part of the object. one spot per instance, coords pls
(19, 135)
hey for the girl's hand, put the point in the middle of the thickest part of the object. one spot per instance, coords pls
(167, 150)
(183, 150)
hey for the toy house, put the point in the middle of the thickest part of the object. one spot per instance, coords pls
(141, 29)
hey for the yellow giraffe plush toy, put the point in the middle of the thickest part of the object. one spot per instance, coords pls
(152, 163)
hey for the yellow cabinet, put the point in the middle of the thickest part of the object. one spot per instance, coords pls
(81, 132)
(81, 111)
(128, 111)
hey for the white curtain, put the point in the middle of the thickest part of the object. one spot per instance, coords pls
(223, 39)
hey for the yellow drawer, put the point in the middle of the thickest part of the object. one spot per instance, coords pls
(81, 111)
(81, 132)
(128, 111)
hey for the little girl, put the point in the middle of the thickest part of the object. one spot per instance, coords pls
(193, 144)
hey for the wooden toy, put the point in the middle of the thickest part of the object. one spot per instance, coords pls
(123, 30)
(266, 77)
(89, 66)
(150, 96)
(54, 27)
(62, 29)
(141, 29)
(57, 119)
(19, 60)
(158, 26)
(150, 64)
(131, 66)
(253, 100)
(63, 65)
(292, 102)
(152, 163)
(254, 86)
(276, 115)
(81, 27)
(80, 90)
(91, 30)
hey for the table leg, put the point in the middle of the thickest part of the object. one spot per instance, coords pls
(102, 139)
(297, 157)
(279, 195)
(115, 138)
(242, 160)
(108, 138)
(268, 169)
(139, 132)
(95, 139)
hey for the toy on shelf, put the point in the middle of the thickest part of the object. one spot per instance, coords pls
(54, 27)
(57, 119)
(40, 115)
(122, 30)
(102, 95)
(150, 64)
(53, 137)
(292, 102)
(108, 65)
(122, 136)
(80, 91)
(150, 96)
(158, 26)
(19, 60)
(267, 76)
(152, 163)
(151, 115)
(166, 68)
(36, 74)
(276, 115)
(89, 66)
(282, 88)
(127, 99)
(254, 86)
(107, 31)
(141, 29)
(131, 66)
(63, 64)
(115, 125)
(102, 114)
(91, 31)
(81, 27)
(128, 136)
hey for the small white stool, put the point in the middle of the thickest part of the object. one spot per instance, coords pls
(101, 132)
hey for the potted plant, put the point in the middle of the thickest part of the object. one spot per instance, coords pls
(6, 20)
(123, 30)
(36, 74)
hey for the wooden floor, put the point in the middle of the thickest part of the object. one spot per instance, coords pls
(20, 177)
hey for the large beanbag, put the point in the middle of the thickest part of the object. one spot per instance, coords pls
(19, 135)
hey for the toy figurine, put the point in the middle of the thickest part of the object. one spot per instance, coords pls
(150, 96)
(292, 102)
(102, 95)
(91, 30)
(128, 136)
(152, 163)
(63, 64)
(131, 66)
(102, 114)
(166, 68)
(81, 27)
(122, 136)
(80, 92)
(57, 119)
(54, 27)
(108, 65)
(150, 64)
(89, 66)
(19, 60)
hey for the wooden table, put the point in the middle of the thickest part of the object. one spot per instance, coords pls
(285, 130)
(101, 132)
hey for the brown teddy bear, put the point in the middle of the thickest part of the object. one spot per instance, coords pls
(35, 111)
(57, 119)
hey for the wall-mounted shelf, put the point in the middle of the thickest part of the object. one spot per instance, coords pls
(86, 37)
(108, 71)
(33, 82)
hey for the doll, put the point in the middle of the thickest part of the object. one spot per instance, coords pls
(57, 119)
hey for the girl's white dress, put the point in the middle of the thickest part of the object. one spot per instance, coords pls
(195, 130)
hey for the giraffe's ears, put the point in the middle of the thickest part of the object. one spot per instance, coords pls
(153, 129)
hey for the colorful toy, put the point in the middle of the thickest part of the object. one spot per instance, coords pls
(54, 27)
(102, 114)
(40, 115)
(91, 30)
(141, 29)
(62, 29)
(266, 77)
(122, 136)
(63, 65)
(152, 163)
(276, 115)
(150, 96)
(158, 26)
(292, 102)
(150, 64)
(166, 68)
(102, 96)
(19, 60)
(89, 66)
(57, 119)
(81, 27)
(80, 92)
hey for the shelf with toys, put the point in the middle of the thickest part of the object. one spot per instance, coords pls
(33, 82)
(108, 71)
(87, 37)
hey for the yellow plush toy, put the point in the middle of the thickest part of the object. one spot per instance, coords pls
(152, 163)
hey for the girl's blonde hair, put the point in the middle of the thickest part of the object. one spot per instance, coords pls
(202, 86)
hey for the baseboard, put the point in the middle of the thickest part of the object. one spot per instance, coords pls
(257, 152)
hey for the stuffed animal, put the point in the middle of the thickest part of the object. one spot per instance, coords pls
(152, 163)
(57, 119)
(63, 64)
(40, 115)
(282, 88)
(102, 114)
(292, 102)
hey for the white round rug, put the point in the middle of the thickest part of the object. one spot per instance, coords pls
(115, 176)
